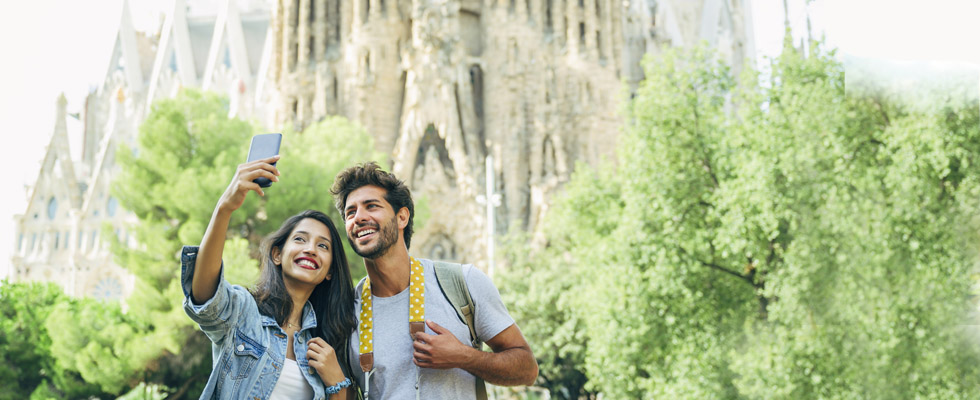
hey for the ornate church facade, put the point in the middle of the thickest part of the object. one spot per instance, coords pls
(442, 86)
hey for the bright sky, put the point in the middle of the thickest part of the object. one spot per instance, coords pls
(55, 46)
(48, 47)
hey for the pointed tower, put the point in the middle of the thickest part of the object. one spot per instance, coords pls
(44, 231)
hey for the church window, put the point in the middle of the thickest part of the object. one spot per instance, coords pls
(79, 244)
(548, 22)
(52, 208)
(581, 33)
(598, 43)
(107, 289)
(173, 61)
(67, 243)
(227, 58)
(476, 83)
(311, 45)
(440, 247)
(57, 240)
(33, 241)
(336, 21)
(20, 242)
(111, 206)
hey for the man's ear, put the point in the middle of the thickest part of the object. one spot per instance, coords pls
(403, 215)
(276, 255)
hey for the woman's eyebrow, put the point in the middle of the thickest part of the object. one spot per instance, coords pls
(308, 234)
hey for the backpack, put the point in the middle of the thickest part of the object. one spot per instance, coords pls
(453, 285)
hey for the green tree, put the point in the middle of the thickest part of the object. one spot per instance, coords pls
(101, 343)
(539, 286)
(767, 239)
(27, 366)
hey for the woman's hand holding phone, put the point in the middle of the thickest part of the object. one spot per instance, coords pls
(242, 182)
(205, 280)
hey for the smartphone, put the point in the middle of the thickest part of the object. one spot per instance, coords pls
(264, 146)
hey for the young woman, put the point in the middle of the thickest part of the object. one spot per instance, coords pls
(287, 337)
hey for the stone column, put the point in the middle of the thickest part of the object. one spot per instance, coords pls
(289, 38)
(320, 32)
(303, 33)
(358, 14)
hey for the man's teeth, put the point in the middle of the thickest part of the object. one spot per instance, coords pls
(365, 233)
(306, 263)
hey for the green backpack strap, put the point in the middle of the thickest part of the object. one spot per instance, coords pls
(453, 285)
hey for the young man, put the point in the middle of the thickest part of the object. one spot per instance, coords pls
(409, 335)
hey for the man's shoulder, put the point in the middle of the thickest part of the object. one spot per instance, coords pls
(477, 282)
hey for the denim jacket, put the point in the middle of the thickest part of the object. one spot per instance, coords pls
(248, 349)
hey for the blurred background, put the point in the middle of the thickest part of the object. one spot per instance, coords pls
(676, 198)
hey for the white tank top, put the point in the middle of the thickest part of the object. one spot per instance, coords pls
(291, 384)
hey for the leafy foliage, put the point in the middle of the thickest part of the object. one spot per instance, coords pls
(27, 367)
(101, 343)
(772, 239)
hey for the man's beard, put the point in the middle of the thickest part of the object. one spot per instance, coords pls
(387, 237)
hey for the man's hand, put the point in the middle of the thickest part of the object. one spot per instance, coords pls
(440, 351)
(322, 357)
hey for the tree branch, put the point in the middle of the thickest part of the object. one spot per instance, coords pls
(725, 270)
(713, 265)
(706, 163)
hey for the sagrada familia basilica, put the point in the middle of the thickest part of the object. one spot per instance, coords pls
(442, 86)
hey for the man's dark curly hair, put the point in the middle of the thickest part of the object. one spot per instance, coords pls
(370, 173)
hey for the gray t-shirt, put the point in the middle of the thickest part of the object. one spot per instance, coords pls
(394, 376)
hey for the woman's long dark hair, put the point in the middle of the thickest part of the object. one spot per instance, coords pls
(332, 300)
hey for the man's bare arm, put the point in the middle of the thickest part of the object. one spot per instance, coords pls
(510, 364)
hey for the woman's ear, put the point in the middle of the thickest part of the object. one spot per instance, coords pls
(276, 256)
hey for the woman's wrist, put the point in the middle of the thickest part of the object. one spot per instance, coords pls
(331, 375)
(331, 378)
(337, 387)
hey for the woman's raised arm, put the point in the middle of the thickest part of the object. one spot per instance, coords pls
(208, 266)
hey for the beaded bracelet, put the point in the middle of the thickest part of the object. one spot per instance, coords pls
(336, 388)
